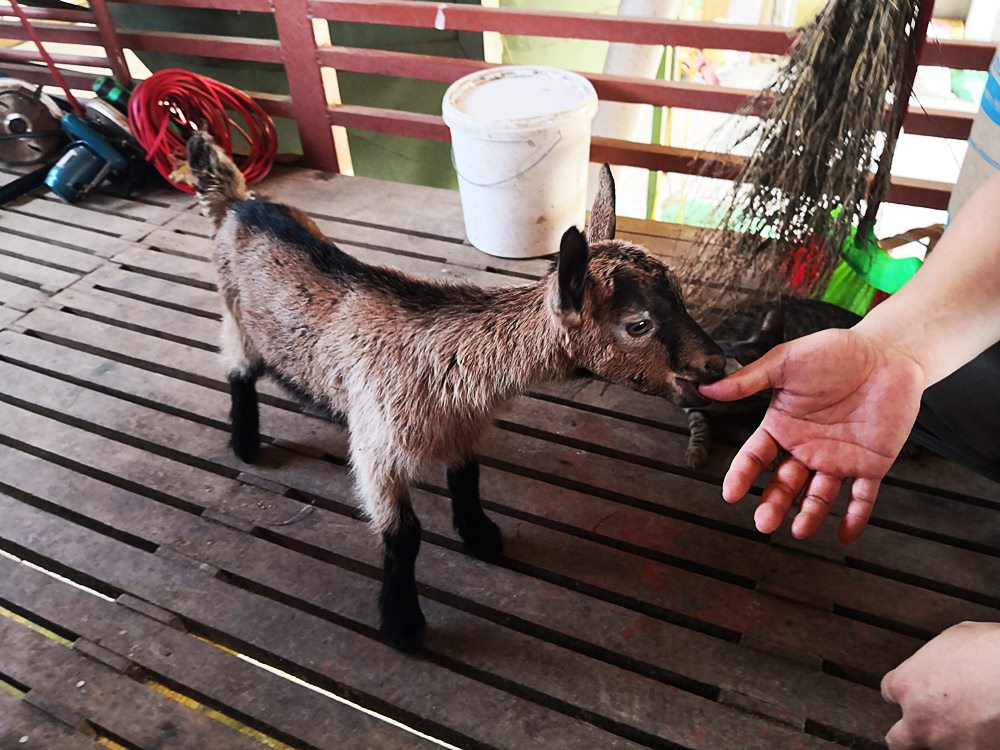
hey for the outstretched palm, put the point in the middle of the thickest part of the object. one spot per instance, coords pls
(842, 408)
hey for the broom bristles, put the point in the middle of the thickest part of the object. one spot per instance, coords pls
(825, 131)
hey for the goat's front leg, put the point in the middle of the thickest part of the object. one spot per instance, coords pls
(700, 441)
(480, 536)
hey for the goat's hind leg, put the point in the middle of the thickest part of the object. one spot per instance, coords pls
(387, 503)
(402, 623)
(243, 368)
(480, 536)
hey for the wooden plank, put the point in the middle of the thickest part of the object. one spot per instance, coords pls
(913, 509)
(435, 514)
(99, 222)
(412, 689)
(673, 242)
(901, 507)
(114, 280)
(270, 703)
(23, 726)
(190, 246)
(934, 473)
(931, 473)
(114, 702)
(700, 97)
(563, 465)
(36, 275)
(355, 238)
(206, 45)
(636, 30)
(433, 211)
(52, 14)
(155, 204)
(83, 215)
(8, 315)
(691, 595)
(168, 266)
(48, 254)
(259, 6)
(18, 296)
(336, 595)
(173, 325)
(635, 701)
(618, 438)
(908, 191)
(73, 237)
(639, 30)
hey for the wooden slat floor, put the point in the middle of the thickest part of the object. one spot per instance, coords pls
(157, 593)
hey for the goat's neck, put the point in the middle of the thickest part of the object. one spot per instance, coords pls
(514, 344)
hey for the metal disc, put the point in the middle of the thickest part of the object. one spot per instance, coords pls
(22, 114)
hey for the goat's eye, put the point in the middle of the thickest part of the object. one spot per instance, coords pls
(638, 328)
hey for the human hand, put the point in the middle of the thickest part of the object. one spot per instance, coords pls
(842, 406)
(949, 692)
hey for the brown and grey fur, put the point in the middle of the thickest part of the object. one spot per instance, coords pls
(418, 367)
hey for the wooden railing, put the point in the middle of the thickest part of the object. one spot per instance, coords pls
(317, 109)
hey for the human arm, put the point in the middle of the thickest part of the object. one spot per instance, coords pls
(844, 402)
(950, 311)
(949, 692)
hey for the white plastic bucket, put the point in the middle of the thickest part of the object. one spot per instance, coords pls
(520, 138)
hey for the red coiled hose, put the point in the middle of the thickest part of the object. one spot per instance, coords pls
(168, 106)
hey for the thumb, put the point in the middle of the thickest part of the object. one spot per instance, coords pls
(757, 376)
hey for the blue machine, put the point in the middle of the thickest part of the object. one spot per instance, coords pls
(89, 161)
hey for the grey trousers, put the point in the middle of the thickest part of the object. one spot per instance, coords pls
(960, 416)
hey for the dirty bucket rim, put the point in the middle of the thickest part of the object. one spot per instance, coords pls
(457, 119)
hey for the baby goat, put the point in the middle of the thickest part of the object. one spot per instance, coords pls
(417, 367)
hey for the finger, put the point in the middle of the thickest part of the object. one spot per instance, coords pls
(819, 499)
(859, 509)
(755, 377)
(752, 460)
(888, 687)
(786, 484)
(902, 737)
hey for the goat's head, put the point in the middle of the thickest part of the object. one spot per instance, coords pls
(622, 312)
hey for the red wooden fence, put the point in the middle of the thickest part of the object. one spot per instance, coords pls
(316, 112)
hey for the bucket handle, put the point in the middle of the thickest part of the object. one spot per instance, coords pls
(523, 171)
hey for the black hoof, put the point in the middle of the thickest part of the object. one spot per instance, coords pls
(481, 538)
(405, 630)
(246, 449)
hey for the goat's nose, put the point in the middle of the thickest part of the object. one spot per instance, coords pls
(714, 365)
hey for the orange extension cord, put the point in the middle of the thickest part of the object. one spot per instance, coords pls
(169, 105)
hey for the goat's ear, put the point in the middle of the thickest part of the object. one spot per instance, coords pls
(572, 273)
(602, 215)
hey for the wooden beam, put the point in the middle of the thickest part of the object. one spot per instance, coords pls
(934, 122)
(208, 45)
(49, 14)
(111, 43)
(636, 30)
(773, 40)
(615, 151)
(305, 82)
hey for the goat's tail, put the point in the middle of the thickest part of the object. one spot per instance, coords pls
(213, 174)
